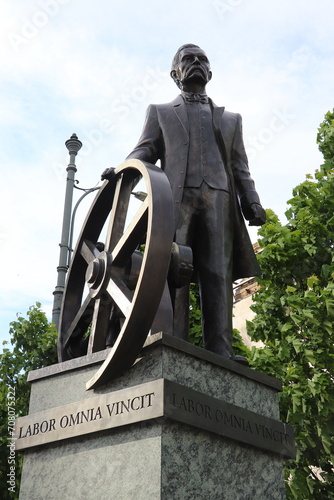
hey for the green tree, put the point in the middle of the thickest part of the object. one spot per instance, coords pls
(34, 342)
(295, 320)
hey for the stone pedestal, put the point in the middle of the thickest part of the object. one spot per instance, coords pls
(183, 423)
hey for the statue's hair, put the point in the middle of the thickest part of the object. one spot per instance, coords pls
(176, 58)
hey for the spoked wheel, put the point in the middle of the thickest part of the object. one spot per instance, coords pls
(113, 290)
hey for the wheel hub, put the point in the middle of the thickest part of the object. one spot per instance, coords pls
(96, 273)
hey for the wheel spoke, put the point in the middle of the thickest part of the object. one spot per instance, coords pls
(100, 322)
(88, 251)
(119, 210)
(132, 237)
(81, 320)
(120, 294)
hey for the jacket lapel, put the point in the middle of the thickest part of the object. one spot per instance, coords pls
(217, 113)
(180, 110)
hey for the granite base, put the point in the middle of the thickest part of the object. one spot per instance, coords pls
(158, 459)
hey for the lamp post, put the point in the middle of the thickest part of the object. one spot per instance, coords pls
(73, 145)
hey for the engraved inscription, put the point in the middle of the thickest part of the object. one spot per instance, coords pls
(150, 401)
(201, 410)
(205, 412)
(36, 428)
(80, 417)
(98, 413)
(134, 404)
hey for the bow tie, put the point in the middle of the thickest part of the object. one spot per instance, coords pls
(203, 98)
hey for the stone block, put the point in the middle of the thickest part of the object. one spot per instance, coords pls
(166, 457)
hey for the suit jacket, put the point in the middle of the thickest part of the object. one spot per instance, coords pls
(165, 137)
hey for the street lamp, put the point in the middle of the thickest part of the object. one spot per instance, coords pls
(73, 145)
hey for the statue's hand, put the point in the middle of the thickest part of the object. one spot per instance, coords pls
(108, 174)
(258, 215)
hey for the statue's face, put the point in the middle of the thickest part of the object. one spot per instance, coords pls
(193, 66)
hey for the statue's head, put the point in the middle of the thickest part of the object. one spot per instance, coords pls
(190, 64)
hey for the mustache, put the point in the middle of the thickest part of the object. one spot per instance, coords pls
(193, 68)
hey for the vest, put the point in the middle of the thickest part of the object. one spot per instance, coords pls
(204, 158)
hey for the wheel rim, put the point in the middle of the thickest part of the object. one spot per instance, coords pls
(105, 273)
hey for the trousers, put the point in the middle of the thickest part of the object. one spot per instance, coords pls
(206, 225)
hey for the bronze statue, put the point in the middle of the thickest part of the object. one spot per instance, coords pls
(201, 150)
(116, 291)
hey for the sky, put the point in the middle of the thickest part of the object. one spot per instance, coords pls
(94, 67)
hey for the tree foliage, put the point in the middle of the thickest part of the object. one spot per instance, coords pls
(295, 319)
(34, 342)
